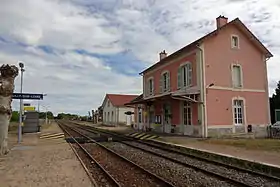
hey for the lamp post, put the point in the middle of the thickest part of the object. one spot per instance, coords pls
(46, 117)
(39, 103)
(21, 65)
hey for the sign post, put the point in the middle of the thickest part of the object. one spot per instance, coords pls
(28, 96)
(22, 96)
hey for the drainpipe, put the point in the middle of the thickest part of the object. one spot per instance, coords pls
(203, 92)
(269, 112)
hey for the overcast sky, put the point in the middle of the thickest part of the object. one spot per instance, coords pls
(76, 51)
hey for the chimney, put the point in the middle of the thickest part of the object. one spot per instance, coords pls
(162, 55)
(221, 21)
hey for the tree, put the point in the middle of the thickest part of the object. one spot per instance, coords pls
(7, 77)
(15, 116)
(274, 102)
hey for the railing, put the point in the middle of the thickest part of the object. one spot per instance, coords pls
(273, 132)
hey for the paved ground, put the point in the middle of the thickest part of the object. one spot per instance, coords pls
(41, 162)
(264, 156)
(270, 154)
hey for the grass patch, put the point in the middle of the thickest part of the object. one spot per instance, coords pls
(252, 144)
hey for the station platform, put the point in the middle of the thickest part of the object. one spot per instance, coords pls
(41, 160)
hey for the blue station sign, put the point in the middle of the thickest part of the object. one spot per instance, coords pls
(27, 96)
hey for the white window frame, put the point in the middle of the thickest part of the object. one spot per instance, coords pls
(168, 83)
(149, 91)
(232, 43)
(108, 104)
(233, 78)
(188, 76)
(108, 116)
(112, 116)
(140, 117)
(188, 106)
(237, 109)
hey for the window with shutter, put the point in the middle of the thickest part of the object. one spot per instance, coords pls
(168, 81)
(150, 86)
(185, 76)
(179, 77)
(165, 82)
(189, 74)
(236, 76)
(160, 84)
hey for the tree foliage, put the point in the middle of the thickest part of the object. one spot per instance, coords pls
(67, 116)
(275, 102)
(15, 116)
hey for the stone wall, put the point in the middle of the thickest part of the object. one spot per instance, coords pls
(258, 131)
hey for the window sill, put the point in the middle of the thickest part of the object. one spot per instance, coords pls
(235, 48)
(237, 87)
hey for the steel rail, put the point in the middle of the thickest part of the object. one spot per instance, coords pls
(270, 177)
(191, 156)
(158, 178)
(111, 178)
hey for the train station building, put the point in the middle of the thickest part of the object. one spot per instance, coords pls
(214, 86)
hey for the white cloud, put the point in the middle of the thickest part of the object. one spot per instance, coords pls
(76, 82)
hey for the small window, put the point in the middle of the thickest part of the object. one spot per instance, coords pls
(237, 76)
(234, 42)
(108, 104)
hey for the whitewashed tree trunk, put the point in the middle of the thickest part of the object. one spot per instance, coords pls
(7, 76)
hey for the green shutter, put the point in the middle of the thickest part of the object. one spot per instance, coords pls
(189, 68)
(179, 78)
(160, 84)
(168, 81)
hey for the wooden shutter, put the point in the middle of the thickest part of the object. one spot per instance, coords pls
(153, 88)
(147, 88)
(179, 78)
(189, 68)
(168, 81)
(161, 84)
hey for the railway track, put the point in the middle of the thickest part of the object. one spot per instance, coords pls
(231, 174)
(108, 167)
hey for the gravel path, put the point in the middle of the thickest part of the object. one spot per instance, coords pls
(123, 172)
(250, 179)
(177, 174)
(42, 166)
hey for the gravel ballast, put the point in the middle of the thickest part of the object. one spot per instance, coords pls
(177, 174)
(123, 172)
(245, 177)
(97, 174)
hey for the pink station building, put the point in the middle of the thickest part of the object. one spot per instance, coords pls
(214, 86)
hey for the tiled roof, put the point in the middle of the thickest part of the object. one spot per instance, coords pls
(120, 100)
(138, 99)
(235, 22)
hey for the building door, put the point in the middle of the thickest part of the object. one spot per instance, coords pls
(187, 118)
(166, 118)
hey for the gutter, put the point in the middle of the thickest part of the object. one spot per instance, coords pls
(203, 92)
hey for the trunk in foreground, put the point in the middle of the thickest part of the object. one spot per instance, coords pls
(7, 76)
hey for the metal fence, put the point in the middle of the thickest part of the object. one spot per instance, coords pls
(273, 132)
